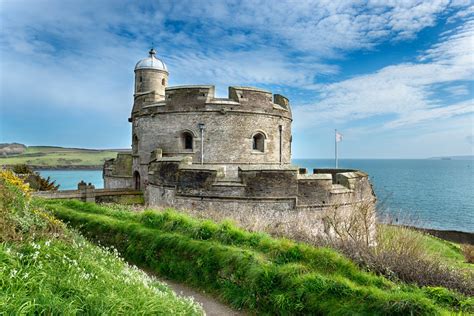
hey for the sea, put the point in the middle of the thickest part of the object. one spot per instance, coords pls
(428, 193)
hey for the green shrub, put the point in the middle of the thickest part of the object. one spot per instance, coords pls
(468, 252)
(251, 271)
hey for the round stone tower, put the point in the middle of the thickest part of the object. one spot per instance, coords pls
(250, 127)
(151, 80)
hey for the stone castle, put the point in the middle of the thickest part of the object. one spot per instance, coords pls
(191, 150)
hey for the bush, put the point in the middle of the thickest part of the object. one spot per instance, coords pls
(400, 254)
(468, 252)
(19, 217)
(36, 182)
(249, 270)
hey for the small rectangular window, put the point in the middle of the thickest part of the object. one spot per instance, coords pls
(188, 141)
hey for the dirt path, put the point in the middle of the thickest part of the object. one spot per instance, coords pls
(211, 306)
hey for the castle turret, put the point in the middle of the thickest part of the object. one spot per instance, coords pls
(151, 79)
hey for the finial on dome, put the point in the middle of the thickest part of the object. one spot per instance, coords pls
(151, 62)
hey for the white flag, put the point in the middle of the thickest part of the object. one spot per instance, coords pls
(338, 137)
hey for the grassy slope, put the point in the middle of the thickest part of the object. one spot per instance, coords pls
(59, 156)
(252, 270)
(65, 277)
(449, 252)
(47, 269)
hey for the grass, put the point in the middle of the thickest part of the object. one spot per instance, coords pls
(45, 156)
(450, 253)
(47, 269)
(51, 276)
(253, 270)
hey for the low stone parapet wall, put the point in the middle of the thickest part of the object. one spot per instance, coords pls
(95, 195)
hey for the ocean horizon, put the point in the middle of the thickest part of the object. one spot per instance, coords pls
(429, 193)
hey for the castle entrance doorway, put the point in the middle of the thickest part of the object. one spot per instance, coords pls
(136, 180)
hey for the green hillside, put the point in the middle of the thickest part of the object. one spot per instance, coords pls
(450, 253)
(48, 269)
(54, 157)
(252, 270)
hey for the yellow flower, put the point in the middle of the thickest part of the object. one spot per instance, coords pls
(11, 178)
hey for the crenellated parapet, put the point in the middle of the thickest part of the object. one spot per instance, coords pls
(202, 98)
(325, 188)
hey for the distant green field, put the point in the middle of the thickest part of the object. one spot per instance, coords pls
(58, 156)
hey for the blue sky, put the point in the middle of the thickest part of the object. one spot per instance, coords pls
(395, 77)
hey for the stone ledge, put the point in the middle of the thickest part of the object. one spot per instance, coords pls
(228, 184)
(250, 89)
(237, 198)
(190, 87)
(268, 168)
(320, 176)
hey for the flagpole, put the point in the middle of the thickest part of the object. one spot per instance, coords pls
(335, 146)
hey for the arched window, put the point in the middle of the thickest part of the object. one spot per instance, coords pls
(135, 144)
(188, 140)
(136, 180)
(163, 81)
(258, 142)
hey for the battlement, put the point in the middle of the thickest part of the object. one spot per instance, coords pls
(321, 189)
(202, 98)
(188, 95)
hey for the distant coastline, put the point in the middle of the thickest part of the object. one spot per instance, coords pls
(65, 167)
(465, 157)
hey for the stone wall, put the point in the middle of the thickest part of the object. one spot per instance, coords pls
(114, 182)
(280, 200)
(261, 182)
(228, 137)
(90, 194)
(163, 197)
(117, 173)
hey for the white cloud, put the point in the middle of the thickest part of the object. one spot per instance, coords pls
(403, 89)
(457, 90)
(81, 54)
(424, 115)
(263, 66)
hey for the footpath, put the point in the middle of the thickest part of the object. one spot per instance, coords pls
(211, 306)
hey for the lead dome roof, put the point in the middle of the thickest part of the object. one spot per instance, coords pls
(151, 62)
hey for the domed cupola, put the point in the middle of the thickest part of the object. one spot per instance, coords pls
(151, 80)
(151, 62)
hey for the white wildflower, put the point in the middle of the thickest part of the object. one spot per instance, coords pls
(13, 273)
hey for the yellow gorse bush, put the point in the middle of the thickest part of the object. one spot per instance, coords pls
(20, 216)
(11, 178)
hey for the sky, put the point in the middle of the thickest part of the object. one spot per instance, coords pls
(394, 77)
